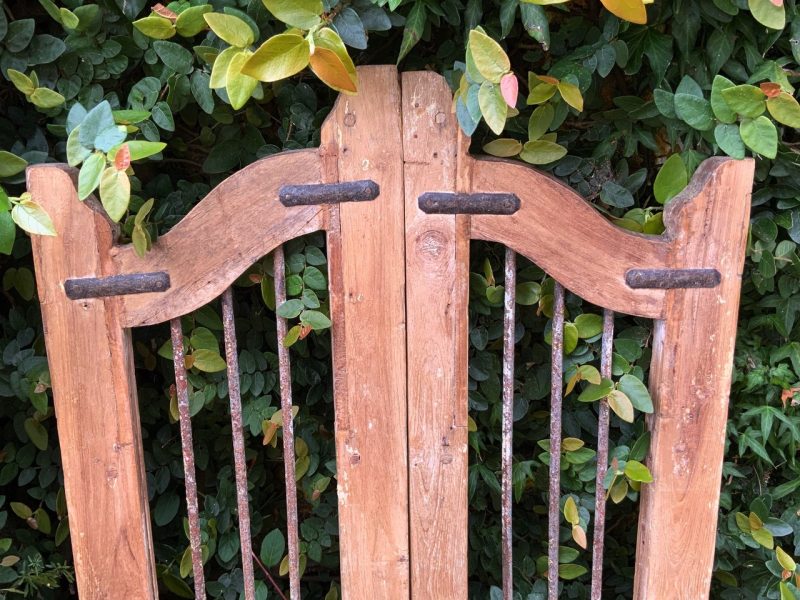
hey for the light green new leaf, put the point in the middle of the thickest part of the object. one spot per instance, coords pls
(503, 147)
(314, 319)
(594, 391)
(636, 471)
(571, 511)
(671, 179)
(571, 95)
(68, 18)
(621, 405)
(767, 13)
(8, 232)
(760, 135)
(588, 325)
(21, 81)
(239, 86)
(542, 152)
(281, 56)
(721, 109)
(90, 174)
(304, 14)
(155, 27)
(540, 121)
(746, 100)
(489, 57)
(786, 561)
(46, 98)
(219, 72)
(231, 29)
(32, 218)
(115, 192)
(493, 107)
(571, 571)
(540, 92)
(208, 361)
(141, 149)
(191, 22)
(11, 164)
(785, 109)
(76, 152)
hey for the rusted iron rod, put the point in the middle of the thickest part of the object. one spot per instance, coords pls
(449, 203)
(237, 433)
(329, 193)
(285, 372)
(598, 542)
(554, 493)
(184, 418)
(671, 279)
(116, 285)
(509, 315)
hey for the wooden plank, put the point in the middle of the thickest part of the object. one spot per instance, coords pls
(237, 223)
(91, 367)
(690, 383)
(361, 140)
(569, 238)
(437, 284)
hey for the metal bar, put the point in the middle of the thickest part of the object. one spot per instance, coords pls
(671, 279)
(284, 368)
(554, 493)
(598, 543)
(447, 203)
(508, 419)
(116, 285)
(329, 193)
(237, 433)
(182, 390)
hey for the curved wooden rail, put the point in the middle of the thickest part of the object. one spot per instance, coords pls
(237, 223)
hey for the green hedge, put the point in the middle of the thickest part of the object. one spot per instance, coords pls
(621, 108)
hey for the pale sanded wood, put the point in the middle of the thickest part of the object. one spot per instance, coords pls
(568, 238)
(91, 367)
(690, 382)
(437, 283)
(237, 223)
(361, 140)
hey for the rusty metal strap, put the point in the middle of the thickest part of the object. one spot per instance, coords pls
(329, 193)
(672, 279)
(447, 203)
(116, 285)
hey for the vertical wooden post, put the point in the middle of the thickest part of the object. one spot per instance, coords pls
(437, 264)
(91, 367)
(362, 140)
(690, 381)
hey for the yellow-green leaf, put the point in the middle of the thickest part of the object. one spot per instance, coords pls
(493, 107)
(488, 56)
(760, 135)
(542, 152)
(304, 14)
(68, 18)
(619, 490)
(786, 561)
(571, 95)
(208, 360)
(636, 471)
(768, 14)
(219, 72)
(46, 98)
(629, 10)
(279, 57)
(115, 192)
(540, 121)
(671, 179)
(230, 28)
(763, 537)
(541, 92)
(571, 511)
(570, 444)
(32, 218)
(621, 405)
(785, 109)
(90, 173)
(21, 81)
(503, 147)
(11, 164)
(239, 86)
(156, 27)
(191, 22)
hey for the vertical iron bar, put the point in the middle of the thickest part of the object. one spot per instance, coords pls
(598, 542)
(239, 461)
(554, 493)
(182, 391)
(284, 367)
(508, 418)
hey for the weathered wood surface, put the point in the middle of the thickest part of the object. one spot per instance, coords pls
(91, 367)
(437, 288)
(690, 381)
(362, 140)
(237, 223)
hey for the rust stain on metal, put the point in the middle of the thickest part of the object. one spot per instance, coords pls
(182, 390)
(508, 419)
(284, 367)
(554, 491)
(598, 542)
(237, 433)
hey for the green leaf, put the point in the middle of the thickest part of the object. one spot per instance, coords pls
(303, 14)
(541, 92)
(314, 319)
(208, 361)
(219, 72)
(413, 30)
(594, 392)
(76, 153)
(614, 194)
(31, 217)
(528, 293)
(696, 112)
(621, 405)
(540, 121)
(763, 537)
(571, 571)
(8, 232)
(542, 152)
(671, 179)
(174, 56)
(314, 279)
(786, 592)
(115, 192)
(489, 57)
(571, 511)
(272, 548)
(636, 471)
(279, 57)
(141, 149)
(37, 433)
(231, 29)
(637, 392)
(21, 510)
(290, 309)
(618, 491)
(745, 100)
(786, 561)
(239, 86)
(760, 135)
(191, 21)
(21, 81)
(46, 98)
(292, 336)
(588, 325)
(767, 13)
(785, 109)
(90, 173)
(11, 164)
(155, 27)
(503, 147)
(729, 140)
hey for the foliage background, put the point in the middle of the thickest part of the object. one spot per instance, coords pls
(614, 149)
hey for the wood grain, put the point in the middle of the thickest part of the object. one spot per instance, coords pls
(237, 223)
(690, 381)
(361, 140)
(94, 392)
(437, 284)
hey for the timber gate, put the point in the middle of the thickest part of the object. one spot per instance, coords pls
(399, 197)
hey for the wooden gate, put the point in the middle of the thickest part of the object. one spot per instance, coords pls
(393, 186)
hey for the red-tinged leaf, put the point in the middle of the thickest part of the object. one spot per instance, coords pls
(304, 331)
(771, 90)
(163, 11)
(777, 2)
(255, 277)
(509, 87)
(548, 79)
(123, 158)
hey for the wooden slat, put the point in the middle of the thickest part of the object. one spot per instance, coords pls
(91, 367)
(690, 382)
(361, 140)
(237, 223)
(437, 267)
